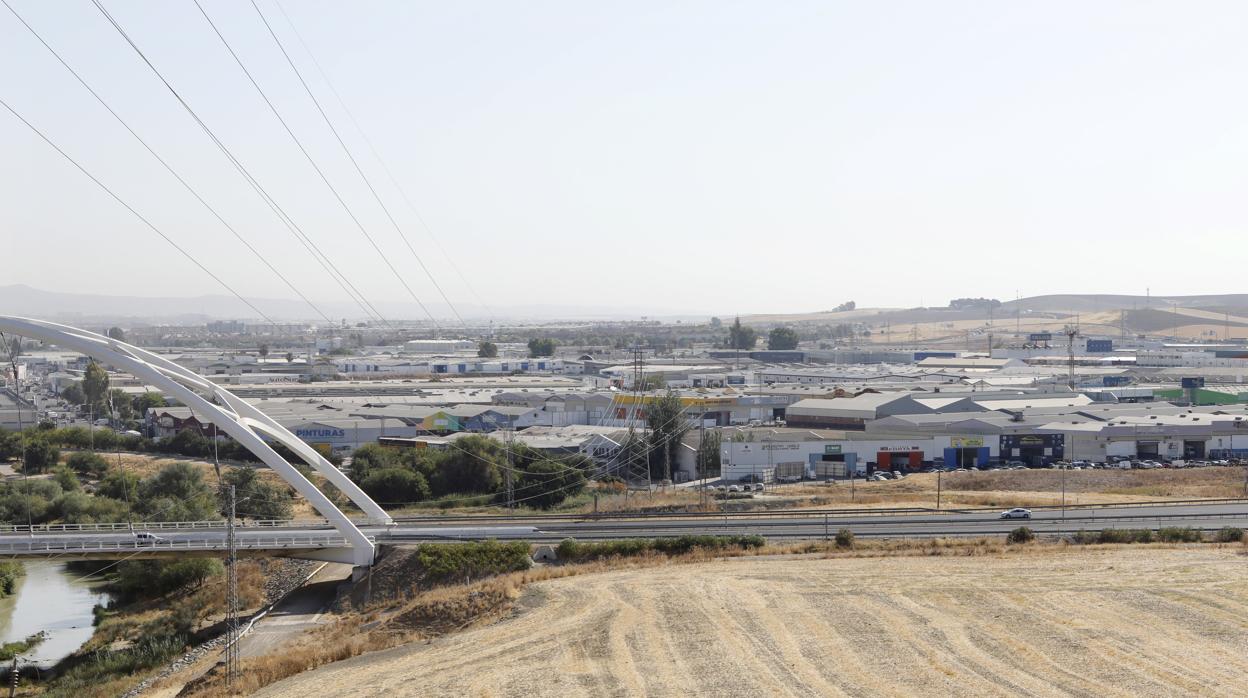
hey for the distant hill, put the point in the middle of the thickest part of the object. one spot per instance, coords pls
(1085, 303)
(19, 299)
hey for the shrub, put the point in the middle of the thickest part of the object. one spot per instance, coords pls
(1125, 535)
(572, 551)
(9, 572)
(1229, 534)
(1179, 534)
(1022, 534)
(844, 538)
(462, 562)
(87, 463)
(395, 485)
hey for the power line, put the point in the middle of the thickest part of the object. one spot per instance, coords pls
(138, 215)
(324, 260)
(317, 168)
(397, 228)
(162, 161)
(381, 161)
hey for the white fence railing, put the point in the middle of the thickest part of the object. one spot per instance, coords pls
(36, 546)
(161, 526)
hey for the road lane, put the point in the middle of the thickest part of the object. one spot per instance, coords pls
(793, 525)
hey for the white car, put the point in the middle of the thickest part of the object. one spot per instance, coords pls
(144, 537)
(1017, 513)
(734, 488)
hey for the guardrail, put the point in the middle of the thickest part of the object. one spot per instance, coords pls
(160, 526)
(37, 546)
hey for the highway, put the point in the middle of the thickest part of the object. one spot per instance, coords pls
(318, 540)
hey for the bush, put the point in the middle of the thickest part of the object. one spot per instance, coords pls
(1229, 534)
(844, 538)
(462, 562)
(1179, 534)
(153, 578)
(1121, 535)
(1022, 534)
(9, 572)
(572, 551)
(87, 463)
(395, 485)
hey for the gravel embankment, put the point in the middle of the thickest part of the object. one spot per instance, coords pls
(282, 577)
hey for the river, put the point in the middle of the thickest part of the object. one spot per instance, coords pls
(55, 600)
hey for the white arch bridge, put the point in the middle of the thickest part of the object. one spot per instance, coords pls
(342, 541)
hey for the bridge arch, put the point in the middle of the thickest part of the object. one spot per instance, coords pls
(242, 421)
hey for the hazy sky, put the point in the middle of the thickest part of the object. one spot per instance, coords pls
(686, 156)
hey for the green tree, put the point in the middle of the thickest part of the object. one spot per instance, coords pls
(121, 404)
(177, 493)
(117, 334)
(66, 479)
(290, 357)
(73, 394)
(263, 351)
(470, 465)
(370, 457)
(668, 424)
(140, 404)
(740, 337)
(547, 483)
(39, 456)
(256, 498)
(782, 339)
(716, 323)
(80, 507)
(95, 387)
(709, 453)
(121, 485)
(10, 445)
(541, 347)
(487, 350)
(395, 485)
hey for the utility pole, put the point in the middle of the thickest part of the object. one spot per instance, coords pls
(511, 495)
(702, 462)
(231, 596)
(1071, 332)
(938, 489)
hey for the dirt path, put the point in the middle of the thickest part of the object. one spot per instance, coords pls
(1105, 622)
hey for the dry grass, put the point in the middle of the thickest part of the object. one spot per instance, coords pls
(425, 615)
(1044, 620)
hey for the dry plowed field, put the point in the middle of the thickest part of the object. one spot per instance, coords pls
(1084, 622)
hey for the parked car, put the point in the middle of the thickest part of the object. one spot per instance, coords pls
(734, 488)
(1016, 464)
(1016, 513)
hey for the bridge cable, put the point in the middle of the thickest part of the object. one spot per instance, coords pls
(351, 214)
(347, 151)
(166, 165)
(323, 259)
(381, 161)
(138, 215)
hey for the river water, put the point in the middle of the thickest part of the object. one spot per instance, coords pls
(55, 600)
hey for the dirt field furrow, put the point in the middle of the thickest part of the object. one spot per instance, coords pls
(1097, 622)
